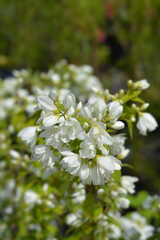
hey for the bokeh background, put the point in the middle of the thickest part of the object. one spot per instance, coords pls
(120, 39)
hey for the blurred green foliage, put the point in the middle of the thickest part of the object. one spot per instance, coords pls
(36, 33)
(108, 34)
(120, 39)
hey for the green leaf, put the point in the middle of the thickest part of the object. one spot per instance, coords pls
(127, 112)
(127, 165)
(89, 205)
(136, 201)
(116, 175)
(130, 127)
(130, 96)
(98, 211)
(137, 99)
(81, 120)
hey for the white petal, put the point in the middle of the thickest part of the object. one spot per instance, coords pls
(106, 162)
(118, 125)
(95, 175)
(46, 103)
(84, 172)
(50, 120)
(28, 135)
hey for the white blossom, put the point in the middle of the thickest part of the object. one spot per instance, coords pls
(87, 148)
(70, 130)
(118, 125)
(99, 135)
(79, 195)
(115, 110)
(44, 154)
(28, 135)
(98, 174)
(98, 105)
(68, 101)
(146, 123)
(128, 183)
(122, 202)
(118, 144)
(141, 85)
(136, 227)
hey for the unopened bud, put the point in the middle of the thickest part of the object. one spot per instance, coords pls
(144, 106)
(133, 119)
(121, 92)
(106, 92)
(85, 125)
(79, 107)
(121, 101)
(133, 106)
(130, 83)
(96, 90)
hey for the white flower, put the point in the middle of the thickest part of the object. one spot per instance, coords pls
(151, 202)
(128, 183)
(86, 68)
(46, 156)
(122, 202)
(146, 123)
(3, 113)
(136, 227)
(118, 125)
(28, 135)
(114, 110)
(141, 85)
(86, 111)
(123, 154)
(30, 197)
(87, 148)
(98, 174)
(70, 130)
(14, 154)
(140, 222)
(105, 226)
(80, 194)
(118, 144)
(105, 167)
(52, 136)
(74, 219)
(22, 93)
(8, 103)
(99, 135)
(68, 101)
(71, 162)
(45, 103)
(55, 77)
(30, 109)
(97, 105)
(49, 116)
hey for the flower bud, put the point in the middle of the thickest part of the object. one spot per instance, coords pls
(85, 125)
(133, 119)
(118, 125)
(79, 107)
(134, 106)
(130, 83)
(144, 106)
(141, 85)
(121, 92)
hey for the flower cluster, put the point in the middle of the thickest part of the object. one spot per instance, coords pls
(79, 134)
(83, 138)
(79, 130)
